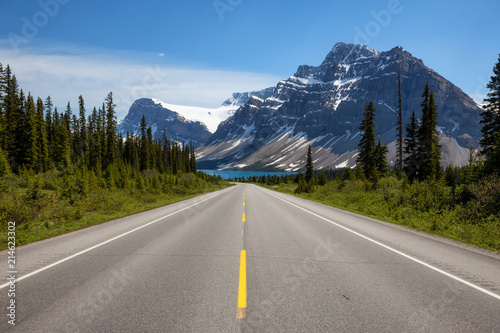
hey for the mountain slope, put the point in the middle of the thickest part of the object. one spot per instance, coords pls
(163, 121)
(323, 106)
(180, 122)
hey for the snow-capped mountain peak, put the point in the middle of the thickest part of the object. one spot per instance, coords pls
(323, 106)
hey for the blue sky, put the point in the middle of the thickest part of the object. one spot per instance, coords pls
(197, 52)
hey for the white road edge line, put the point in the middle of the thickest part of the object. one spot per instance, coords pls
(487, 292)
(105, 242)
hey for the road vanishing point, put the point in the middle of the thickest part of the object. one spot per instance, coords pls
(248, 259)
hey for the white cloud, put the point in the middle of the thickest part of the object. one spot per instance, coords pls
(64, 74)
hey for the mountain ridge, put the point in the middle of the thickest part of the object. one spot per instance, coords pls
(322, 106)
(179, 122)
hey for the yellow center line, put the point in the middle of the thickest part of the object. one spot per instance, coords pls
(243, 203)
(242, 288)
(243, 218)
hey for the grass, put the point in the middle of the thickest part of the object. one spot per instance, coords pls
(424, 207)
(51, 214)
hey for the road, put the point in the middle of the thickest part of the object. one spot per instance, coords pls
(247, 259)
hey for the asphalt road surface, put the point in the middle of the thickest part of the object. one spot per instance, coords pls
(246, 259)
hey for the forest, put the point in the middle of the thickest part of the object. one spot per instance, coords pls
(64, 170)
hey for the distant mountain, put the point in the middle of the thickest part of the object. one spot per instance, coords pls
(183, 123)
(323, 106)
(163, 121)
(239, 99)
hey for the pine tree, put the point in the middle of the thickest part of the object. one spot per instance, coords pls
(11, 108)
(174, 160)
(3, 91)
(101, 132)
(67, 118)
(411, 148)
(428, 139)
(62, 143)
(42, 142)
(26, 135)
(3, 86)
(167, 158)
(150, 148)
(381, 158)
(144, 154)
(83, 144)
(400, 138)
(110, 130)
(490, 142)
(192, 159)
(49, 127)
(309, 167)
(75, 136)
(367, 147)
(68, 115)
(95, 146)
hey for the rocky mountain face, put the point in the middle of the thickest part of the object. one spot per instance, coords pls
(323, 106)
(163, 122)
(240, 99)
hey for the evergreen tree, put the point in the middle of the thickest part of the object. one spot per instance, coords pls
(3, 91)
(128, 149)
(68, 123)
(11, 119)
(95, 147)
(61, 139)
(428, 139)
(166, 155)
(40, 138)
(144, 151)
(192, 159)
(68, 115)
(472, 170)
(42, 142)
(101, 132)
(83, 144)
(301, 184)
(309, 178)
(367, 147)
(174, 161)
(381, 158)
(110, 130)
(321, 180)
(150, 148)
(490, 142)
(25, 135)
(49, 127)
(75, 136)
(400, 138)
(411, 160)
(3, 86)
(450, 177)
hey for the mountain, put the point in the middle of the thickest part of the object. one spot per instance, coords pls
(163, 121)
(323, 106)
(239, 99)
(180, 122)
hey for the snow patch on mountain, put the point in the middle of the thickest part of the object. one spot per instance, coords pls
(211, 117)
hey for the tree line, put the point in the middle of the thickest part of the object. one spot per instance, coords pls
(35, 136)
(418, 154)
(421, 159)
(422, 151)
